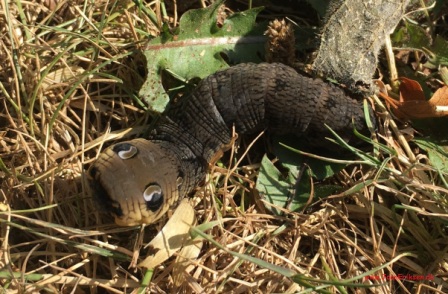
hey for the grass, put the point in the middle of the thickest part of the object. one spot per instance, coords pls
(69, 74)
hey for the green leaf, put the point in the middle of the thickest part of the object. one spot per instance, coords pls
(438, 53)
(411, 36)
(437, 153)
(195, 52)
(273, 186)
(292, 189)
(319, 169)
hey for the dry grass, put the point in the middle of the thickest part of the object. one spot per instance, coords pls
(69, 73)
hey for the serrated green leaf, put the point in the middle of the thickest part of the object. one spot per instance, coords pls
(196, 50)
(272, 185)
(292, 188)
(283, 190)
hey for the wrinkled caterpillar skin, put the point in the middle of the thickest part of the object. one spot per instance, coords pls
(139, 180)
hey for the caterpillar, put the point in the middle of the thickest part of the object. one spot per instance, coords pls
(137, 181)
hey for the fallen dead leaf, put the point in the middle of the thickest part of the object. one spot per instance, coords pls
(413, 104)
(172, 237)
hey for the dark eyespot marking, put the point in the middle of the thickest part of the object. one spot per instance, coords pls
(125, 150)
(153, 196)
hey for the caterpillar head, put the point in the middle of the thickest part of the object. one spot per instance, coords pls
(136, 181)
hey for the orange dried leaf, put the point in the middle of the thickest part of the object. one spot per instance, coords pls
(412, 103)
(416, 109)
(410, 90)
(440, 101)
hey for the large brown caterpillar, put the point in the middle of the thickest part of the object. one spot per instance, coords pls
(139, 180)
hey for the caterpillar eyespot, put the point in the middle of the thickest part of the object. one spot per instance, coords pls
(153, 196)
(125, 150)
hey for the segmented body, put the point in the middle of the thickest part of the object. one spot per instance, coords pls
(158, 172)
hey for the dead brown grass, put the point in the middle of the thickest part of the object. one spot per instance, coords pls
(69, 73)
